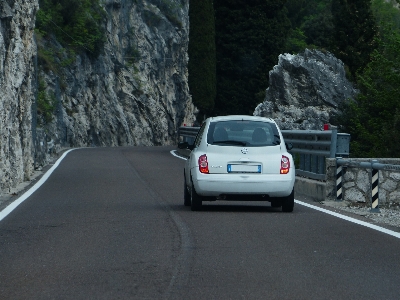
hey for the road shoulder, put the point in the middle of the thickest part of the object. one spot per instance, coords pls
(8, 197)
(388, 218)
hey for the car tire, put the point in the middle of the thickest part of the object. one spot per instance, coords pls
(288, 202)
(195, 199)
(186, 194)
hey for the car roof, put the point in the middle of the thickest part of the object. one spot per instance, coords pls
(240, 117)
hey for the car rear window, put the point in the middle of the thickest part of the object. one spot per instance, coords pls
(243, 133)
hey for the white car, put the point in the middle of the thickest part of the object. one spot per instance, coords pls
(239, 158)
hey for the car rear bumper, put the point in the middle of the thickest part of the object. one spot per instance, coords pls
(246, 184)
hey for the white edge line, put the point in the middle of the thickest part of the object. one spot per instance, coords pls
(337, 215)
(5, 212)
(174, 154)
(362, 223)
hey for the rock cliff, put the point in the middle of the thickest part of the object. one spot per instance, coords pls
(17, 90)
(134, 93)
(305, 90)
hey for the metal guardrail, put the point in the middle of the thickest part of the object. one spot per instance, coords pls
(188, 134)
(310, 148)
(374, 166)
(188, 131)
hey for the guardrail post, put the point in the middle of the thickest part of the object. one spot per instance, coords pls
(339, 175)
(302, 161)
(333, 143)
(321, 164)
(374, 188)
(307, 162)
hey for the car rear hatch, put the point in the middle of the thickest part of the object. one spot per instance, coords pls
(238, 159)
(243, 146)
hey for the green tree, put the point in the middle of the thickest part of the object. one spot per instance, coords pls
(296, 41)
(297, 10)
(250, 35)
(202, 57)
(373, 119)
(319, 29)
(311, 24)
(354, 32)
(386, 12)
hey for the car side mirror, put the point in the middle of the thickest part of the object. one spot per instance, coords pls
(289, 146)
(185, 145)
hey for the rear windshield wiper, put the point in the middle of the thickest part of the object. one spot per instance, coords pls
(231, 142)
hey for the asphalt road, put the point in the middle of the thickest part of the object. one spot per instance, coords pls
(109, 223)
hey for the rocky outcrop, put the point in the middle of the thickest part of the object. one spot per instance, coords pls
(305, 90)
(17, 90)
(134, 93)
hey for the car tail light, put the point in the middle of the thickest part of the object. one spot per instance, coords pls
(285, 164)
(203, 164)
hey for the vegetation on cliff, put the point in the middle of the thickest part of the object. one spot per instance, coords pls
(74, 23)
(46, 104)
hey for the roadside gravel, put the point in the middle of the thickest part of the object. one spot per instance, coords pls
(386, 216)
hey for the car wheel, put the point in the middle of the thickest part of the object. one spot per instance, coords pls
(195, 199)
(186, 194)
(288, 202)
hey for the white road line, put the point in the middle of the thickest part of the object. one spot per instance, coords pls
(372, 226)
(176, 155)
(5, 212)
(337, 215)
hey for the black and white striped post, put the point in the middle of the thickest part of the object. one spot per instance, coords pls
(374, 188)
(339, 175)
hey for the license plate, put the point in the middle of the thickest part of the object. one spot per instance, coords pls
(244, 168)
